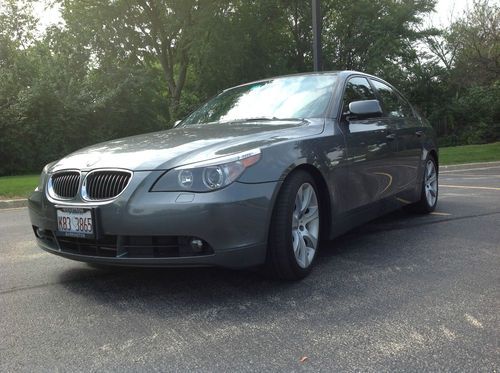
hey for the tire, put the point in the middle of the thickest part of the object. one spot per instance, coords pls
(295, 230)
(429, 190)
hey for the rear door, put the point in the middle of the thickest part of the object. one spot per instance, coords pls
(408, 142)
(370, 149)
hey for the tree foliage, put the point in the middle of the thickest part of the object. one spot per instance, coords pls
(117, 68)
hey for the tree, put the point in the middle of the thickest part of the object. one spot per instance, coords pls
(144, 32)
(246, 41)
(16, 23)
(371, 35)
(117, 68)
(476, 39)
(464, 101)
(53, 99)
(299, 26)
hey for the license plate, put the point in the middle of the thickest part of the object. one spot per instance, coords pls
(75, 222)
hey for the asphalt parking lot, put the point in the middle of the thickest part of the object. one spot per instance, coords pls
(404, 292)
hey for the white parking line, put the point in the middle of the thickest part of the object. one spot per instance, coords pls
(469, 169)
(495, 163)
(442, 195)
(472, 175)
(467, 187)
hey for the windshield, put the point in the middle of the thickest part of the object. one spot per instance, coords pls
(283, 98)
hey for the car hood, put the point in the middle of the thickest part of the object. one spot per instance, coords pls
(184, 145)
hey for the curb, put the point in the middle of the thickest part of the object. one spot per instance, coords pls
(13, 203)
(472, 165)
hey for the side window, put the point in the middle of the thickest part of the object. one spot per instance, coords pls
(406, 108)
(393, 104)
(357, 89)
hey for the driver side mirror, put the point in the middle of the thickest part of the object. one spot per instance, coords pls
(176, 123)
(364, 109)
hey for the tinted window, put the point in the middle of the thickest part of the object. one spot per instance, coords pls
(405, 107)
(393, 104)
(291, 97)
(357, 89)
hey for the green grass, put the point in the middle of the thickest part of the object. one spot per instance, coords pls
(470, 154)
(17, 186)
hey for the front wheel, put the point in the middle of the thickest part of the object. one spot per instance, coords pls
(429, 193)
(295, 227)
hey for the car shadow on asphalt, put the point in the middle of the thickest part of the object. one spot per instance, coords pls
(201, 289)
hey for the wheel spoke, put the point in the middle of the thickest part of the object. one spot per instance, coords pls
(307, 192)
(310, 237)
(310, 254)
(303, 251)
(295, 221)
(295, 241)
(312, 215)
(430, 169)
(298, 202)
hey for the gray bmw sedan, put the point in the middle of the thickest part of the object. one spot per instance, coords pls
(257, 176)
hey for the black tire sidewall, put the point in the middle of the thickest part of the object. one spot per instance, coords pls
(280, 250)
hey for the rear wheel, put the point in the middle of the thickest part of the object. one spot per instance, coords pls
(429, 193)
(295, 227)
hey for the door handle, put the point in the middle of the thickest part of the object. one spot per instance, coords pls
(391, 136)
(419, 133)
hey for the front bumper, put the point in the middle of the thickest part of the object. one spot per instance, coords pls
(142, 228)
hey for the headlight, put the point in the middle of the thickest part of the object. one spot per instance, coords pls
(207, 175)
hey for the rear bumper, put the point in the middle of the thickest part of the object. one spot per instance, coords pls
(232, 222)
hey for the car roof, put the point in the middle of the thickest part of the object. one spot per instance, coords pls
(340, 73)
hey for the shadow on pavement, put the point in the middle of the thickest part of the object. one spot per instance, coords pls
(195, 290)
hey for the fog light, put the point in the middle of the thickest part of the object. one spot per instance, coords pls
(39, 233)
(196, 244)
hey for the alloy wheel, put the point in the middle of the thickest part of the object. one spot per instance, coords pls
(430, 183)
(305, 225)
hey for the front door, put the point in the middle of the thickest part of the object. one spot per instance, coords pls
(409, 148)
(371, 145)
